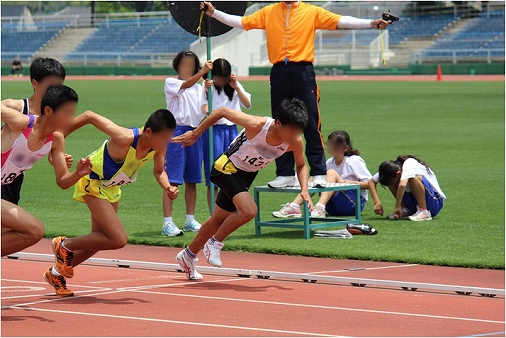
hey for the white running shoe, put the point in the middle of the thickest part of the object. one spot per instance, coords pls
(188, 265)
(288, 210)
(212, 253)
(320, 181)
(192, 226)
(170, 229)
(421, 215)
(283, 182)
(318, 212)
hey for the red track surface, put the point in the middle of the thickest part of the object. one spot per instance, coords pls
(112, 301)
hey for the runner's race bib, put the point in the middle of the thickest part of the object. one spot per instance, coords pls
(119, 179)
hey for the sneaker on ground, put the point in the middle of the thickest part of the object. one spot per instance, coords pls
(170, 229)
(212, 253)
(318, 212)
(283, 182)
(405, 213)
(59, 283)
(421, 215)
(63, 257)
(192, 226)
(188, 265)
(320, 181)
(288, 210)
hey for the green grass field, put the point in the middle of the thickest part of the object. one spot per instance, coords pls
(457, 127)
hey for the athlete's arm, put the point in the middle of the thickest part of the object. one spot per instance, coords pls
(119, 134)
(302, 172)
(64, 178)
(14, 104)
(378, 208)
(252, 124)
(13, 119)
(161, 176)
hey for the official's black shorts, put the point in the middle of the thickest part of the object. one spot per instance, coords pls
(12, 192)
(230, 185)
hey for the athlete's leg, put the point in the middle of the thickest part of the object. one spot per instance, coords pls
(19, 228)
(209, 228)
(332, 177)
(246, 211)
(418, 189)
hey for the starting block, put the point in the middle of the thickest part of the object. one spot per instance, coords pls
(306, 222)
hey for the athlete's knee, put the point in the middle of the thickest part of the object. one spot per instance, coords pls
(35, 231)
(118, 242)
(248, 212)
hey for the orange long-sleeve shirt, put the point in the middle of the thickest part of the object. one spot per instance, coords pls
(290, 30)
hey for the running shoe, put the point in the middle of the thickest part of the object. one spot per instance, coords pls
(212, 253)
(192, 226)
(320, 181)
(63, 257)
(170, 229)
(288, 210)
(318, 212)
(188, 265)
(59, 283)
(421, 215)
(283, 182)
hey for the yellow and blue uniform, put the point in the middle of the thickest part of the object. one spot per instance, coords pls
(108, 176)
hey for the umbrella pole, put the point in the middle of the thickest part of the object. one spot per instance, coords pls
(210, 109)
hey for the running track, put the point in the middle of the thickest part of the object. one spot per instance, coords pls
(112, 301)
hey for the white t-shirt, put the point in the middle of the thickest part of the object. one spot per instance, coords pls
(185, 104)
(352, 168)
(412, 168)
(222, 100)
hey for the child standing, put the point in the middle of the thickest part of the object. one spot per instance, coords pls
(229, 93)
(345, 166)
(184, 99)
(414, 185)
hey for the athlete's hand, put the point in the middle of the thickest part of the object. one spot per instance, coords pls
(233, 81)
(69, 160)
(84, 166)
(210, 7)
(306, 197)
(187, 139)
(378, 24)
(172, 192)
(207, 66)
(378, 209)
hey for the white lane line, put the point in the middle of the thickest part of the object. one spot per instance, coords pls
(221, 326)
(362, 269)
(409, 314)
(45, 283)
(50, 294)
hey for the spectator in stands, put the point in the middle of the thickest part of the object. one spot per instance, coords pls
(229, 93)
(290, 28)
(17, 67)
(184, 165)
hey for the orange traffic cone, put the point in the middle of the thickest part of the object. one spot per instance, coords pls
(439, 73)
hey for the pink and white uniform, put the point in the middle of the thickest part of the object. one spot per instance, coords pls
(19, 158)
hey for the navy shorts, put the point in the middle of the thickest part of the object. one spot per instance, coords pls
(343, 203)
(231, 185)
(183, 165)
(432, 198)
(12, 192)
(223, 135)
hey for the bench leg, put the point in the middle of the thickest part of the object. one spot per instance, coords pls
(307, 231)
(256, 197)
(358, 207)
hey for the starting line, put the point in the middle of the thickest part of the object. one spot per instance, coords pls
(264, 274)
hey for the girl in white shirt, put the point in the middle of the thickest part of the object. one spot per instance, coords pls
(345, 165)
(184, 100)
(414, 186)
(228, 93)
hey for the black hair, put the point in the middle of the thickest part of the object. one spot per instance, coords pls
(388, 169)
(56, 96)
(292, 112)
(222, 67)
(43, 67)
(160, 119)
(181, 55)
(340, 137)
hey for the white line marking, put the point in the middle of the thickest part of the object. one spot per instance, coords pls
(21, 288)
(50, 294)
(136, 279)
(364, 269)
(323, 307)
(45, 283)
(174, 322)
